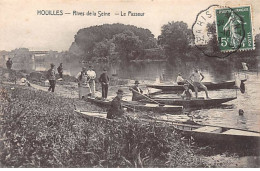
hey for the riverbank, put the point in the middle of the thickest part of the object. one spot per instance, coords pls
(41, 129)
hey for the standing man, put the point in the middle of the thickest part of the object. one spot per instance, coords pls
(83, 83)
(116, 110)
(104, 80)
(92, 76)
(197, 82)
(9, 63)
(51, 78)
(136, 91)
(60, 70)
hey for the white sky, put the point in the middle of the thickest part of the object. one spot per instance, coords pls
(20, 26)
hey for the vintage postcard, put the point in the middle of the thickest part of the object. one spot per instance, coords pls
(129, 84)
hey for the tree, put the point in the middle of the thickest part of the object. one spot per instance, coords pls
(126, 43)
(175, 38)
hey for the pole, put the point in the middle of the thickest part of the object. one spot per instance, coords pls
(147, 97)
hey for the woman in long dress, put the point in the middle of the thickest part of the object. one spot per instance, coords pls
(83, 83)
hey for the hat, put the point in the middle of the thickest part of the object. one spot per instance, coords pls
(137, 82)
(185, 85)
(104, 69)
(52, 64)
(120, 91)
(84, 68)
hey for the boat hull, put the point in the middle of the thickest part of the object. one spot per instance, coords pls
(191, 103)
(140, 106)
(209, 85)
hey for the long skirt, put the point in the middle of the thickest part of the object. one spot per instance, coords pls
(83, 91)
(92, 86)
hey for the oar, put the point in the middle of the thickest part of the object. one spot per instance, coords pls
(147, 97)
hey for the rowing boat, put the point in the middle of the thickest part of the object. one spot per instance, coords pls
(209, 85)
(200, 102)
(143, 106)
(216, 134)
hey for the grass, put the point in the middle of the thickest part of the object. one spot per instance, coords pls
(39, 129)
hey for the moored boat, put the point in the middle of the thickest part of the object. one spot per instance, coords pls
(209, 85)
(223, 135)
(143, 106)
(200, 102)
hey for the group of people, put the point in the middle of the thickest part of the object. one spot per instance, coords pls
(86, 82)
(195, 80)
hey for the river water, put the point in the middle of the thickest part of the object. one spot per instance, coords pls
(163, 72)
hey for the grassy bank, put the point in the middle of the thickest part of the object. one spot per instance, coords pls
(39, 129)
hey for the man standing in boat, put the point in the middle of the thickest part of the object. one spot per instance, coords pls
(187, 93)
(197, 82)
(104, 80)
(136, 91)
(83, 83)
(116, 110)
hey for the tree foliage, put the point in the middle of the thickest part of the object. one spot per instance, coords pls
(175, 38)
(95, 40)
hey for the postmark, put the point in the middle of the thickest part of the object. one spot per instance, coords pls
(217, 33)
(234, 28)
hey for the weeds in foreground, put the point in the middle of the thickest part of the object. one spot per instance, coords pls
(41, 130)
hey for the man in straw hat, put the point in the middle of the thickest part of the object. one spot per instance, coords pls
(116, 110)
(187, 93)
(51, 78)
(136, 91)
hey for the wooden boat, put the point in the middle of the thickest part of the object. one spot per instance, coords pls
(143, 106)
(209, 85)
(216, 134)
(200, 102)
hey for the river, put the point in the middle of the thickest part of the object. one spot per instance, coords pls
(164, 72)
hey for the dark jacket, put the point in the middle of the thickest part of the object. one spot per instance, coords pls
(60, 69)
(115, 109)
(104, 78)
(136, 96)
(9, 63)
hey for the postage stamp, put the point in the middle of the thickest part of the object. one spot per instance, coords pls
(234, 28)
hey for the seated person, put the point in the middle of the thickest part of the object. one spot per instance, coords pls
(187, 93)
(136, 92)
(116, 110)
(180, 80)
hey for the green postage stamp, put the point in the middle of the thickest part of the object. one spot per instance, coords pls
(234, 28)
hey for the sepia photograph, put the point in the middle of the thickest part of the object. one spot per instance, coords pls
(129, 84)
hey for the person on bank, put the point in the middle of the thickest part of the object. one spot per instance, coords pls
(116, 110)
(187, 93)
(60, 70)
(9, 63)
(83, 83)
(92, 76)
(104, 80)
(197, 82)
(180, 80)
(136, 91)
(51, 78)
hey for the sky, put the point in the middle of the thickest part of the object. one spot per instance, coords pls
(20, 26)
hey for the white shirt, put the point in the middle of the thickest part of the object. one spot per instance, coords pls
(179, 79)
(91, 74)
